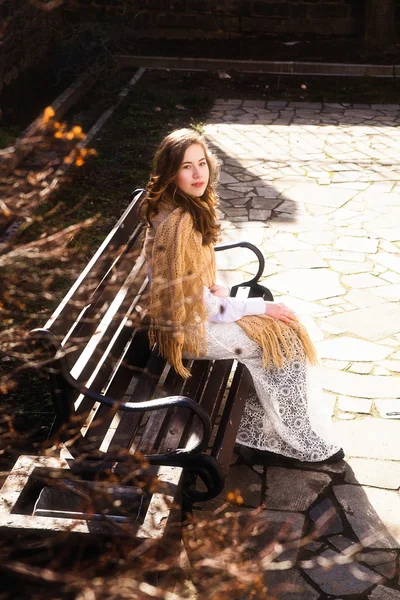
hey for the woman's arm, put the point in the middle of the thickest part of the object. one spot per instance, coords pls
(228, 310)
(223, 309)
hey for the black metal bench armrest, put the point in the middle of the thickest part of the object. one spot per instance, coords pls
(257, 252)
(47, 337)
(136, 192)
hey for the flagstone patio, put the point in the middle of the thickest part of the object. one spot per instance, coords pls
(317, 187)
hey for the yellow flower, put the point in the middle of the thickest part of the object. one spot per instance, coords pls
(77, 130)
(48, 114)
(79, 162)
(235, 496)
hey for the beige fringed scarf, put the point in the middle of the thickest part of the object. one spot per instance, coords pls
(181, 267)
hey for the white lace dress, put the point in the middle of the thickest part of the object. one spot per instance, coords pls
(283, 415)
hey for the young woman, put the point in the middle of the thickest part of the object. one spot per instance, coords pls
(192, 316)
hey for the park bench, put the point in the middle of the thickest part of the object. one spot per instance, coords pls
(115, 396)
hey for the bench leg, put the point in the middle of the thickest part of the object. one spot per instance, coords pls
(203, 466)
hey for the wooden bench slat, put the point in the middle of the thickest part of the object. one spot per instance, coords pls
(129, 422)
(94, 304)
(212, 396)
(118, 238)
(117, 313)
(216, 385)
(106, 354)
(108, 379)
(193, 387)
(158, 421)
(231, 416)
(153, 431)
(127, 375)
(181, 418)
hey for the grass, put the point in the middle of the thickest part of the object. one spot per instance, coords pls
(8, 135)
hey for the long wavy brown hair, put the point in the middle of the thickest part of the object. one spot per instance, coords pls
(162, 186)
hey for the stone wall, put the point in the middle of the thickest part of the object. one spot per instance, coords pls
(27, 30)
(233, 18)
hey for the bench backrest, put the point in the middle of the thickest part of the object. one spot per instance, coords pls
(97, 320)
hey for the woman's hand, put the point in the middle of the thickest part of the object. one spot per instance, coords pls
(277, 310)
(221, 291)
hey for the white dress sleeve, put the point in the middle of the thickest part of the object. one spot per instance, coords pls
(228, 310)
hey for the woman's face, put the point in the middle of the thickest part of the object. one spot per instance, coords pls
(193, 174)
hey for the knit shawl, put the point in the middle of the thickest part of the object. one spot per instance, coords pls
(181, 267)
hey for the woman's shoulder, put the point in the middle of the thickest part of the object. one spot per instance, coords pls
(164, 209)
(169, 213)
(174, 212)
(177, 219)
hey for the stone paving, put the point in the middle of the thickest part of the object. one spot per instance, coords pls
(317, 187)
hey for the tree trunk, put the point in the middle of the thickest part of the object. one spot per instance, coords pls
(380, 24)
